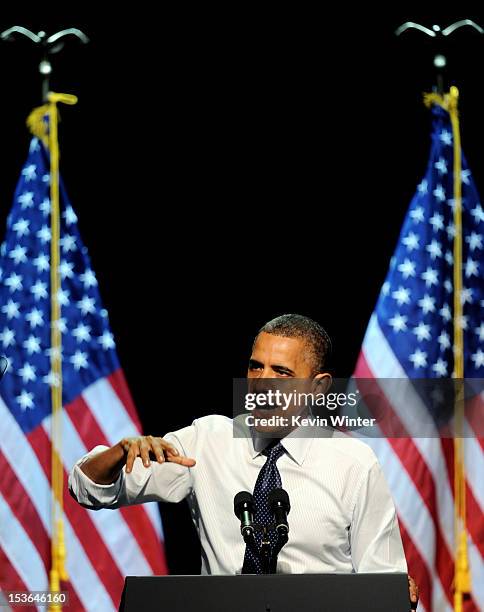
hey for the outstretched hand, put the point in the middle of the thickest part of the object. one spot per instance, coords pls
(150, 448)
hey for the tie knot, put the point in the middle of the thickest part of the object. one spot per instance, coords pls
(273, 452)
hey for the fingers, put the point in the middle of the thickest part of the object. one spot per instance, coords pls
(147, 447)
(133, 452)
(181, 460)
(413, 591)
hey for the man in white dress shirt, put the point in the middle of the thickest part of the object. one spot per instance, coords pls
(342, 516)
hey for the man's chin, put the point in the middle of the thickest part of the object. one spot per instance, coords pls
(271, 422)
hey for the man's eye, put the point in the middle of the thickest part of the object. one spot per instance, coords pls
(255, 366)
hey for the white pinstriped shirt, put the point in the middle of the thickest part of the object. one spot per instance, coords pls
(342, 517)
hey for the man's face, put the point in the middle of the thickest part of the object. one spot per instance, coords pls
(276, 357)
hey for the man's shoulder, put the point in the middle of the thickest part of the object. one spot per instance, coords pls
(351, 450)
(214, 423)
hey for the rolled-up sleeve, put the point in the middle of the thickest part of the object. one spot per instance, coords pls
(168, 482)
(376, 544)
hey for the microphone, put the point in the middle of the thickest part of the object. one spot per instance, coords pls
(3, 366)
(280, 507)
(244, 510)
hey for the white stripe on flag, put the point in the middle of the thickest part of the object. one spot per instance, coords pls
(475, 559)
(20, 550)
(29, 472)
(474, 463)
(110, 524)
(110, 413)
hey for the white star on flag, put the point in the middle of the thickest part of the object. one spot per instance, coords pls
(411, 241)
(472, 268)
(11, 309)
(26, 400)
(30, 172)
(439, 193)
(427, 304)
(26, 199)
(440, 367)
(32, 345)
(398, 322)
(14, 282)
(430, 276)
(86, 305)
(441, 166)
(18, 254)
(478, 358)
(418, 358)
(422, 331)
(407, 268)
(402, 296)
(434, 249)
(39, 290)
(107, 340)
(7, 337)
(41, 263)
(444, 340)
(35, 317)
(27, 372)
(45, 207)
(417, 214)
(82, 333)
(79, 360)
(68, 243)
(21, 227)
(44, 234)
(437, 222)
(474, 241)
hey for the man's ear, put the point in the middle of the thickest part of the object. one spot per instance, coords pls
(322, 382)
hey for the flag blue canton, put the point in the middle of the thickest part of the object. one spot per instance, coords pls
(415, 307)
(88, 348)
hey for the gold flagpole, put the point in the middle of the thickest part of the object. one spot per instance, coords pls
(48, 135)
(462, 578)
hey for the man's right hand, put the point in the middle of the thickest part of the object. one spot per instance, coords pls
(105, 467)
(151, 447)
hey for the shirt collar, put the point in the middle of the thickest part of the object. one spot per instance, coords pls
(296, 444)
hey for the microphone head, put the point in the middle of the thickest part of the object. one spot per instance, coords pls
(3, 366)
(279, 497)
(242, 501)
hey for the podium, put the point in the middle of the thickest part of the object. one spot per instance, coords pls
(267, 593)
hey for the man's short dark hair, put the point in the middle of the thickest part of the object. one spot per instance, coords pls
(298, 326)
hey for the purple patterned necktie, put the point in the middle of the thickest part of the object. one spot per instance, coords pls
(268, 479)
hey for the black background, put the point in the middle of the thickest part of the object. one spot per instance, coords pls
(230, 165)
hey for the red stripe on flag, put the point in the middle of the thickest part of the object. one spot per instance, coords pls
(10, 579)
(75, 603)
(23, 509)
(473, 413)
(87, 534)
(136, 517)
(118, 382)
(474, 513)
(417, 568)
(416, 467)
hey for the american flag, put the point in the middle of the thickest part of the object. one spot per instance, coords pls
(104, 546)
(410, 335)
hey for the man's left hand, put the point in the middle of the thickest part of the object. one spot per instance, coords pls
(413, 591)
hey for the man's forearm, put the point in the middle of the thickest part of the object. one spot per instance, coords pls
(105, 467)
